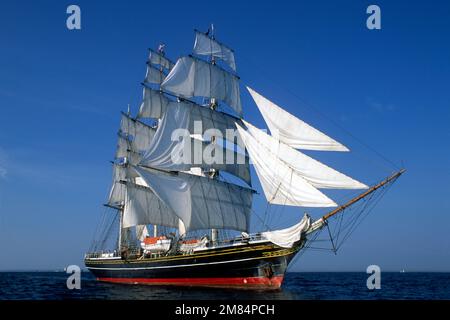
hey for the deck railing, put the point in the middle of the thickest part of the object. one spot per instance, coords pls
(105, 254)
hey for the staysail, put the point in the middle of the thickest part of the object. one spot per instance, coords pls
(281, 184)
(291, 130)
(316, 173)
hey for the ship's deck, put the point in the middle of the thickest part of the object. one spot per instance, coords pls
(138, 254)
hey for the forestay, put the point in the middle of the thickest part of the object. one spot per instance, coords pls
(281, 184)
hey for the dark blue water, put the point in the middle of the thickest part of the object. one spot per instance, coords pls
(305, 286)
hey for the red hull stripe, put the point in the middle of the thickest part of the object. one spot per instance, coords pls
(274, 282)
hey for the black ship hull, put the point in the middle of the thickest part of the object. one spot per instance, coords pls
(259, 265)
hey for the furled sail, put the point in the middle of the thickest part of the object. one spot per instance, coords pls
(291, 130)
(193, 77)
(142, 206)
(206, 46)
(154, 75)
(281, 183)
(315, 172)
(137, 132)
(173, 148)
(158, 59)
(286, 238)
(201, 203)
(154, 104)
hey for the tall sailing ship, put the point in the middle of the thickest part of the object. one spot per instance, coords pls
(182, 192)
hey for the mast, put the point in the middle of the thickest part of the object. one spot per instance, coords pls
(213, 174)
(158, 60)
(119, 245)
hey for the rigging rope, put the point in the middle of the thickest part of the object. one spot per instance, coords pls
(348, 221)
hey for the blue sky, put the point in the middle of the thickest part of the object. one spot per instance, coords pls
(61, 93)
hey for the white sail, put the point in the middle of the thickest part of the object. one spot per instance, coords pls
(281, 184)
(141, 232)
(291, 130)
(117, 192)
(125, 150)
(213, 119)
(154, 104)
(158, 59)
(142, 206)
(209, 119)
(123, 147)
(315, 172)
(201, 203)
(137, 132)
(206, 46)
(286, 238)
(154, 75)
(164, 147)
(193, 77)
(182, 152)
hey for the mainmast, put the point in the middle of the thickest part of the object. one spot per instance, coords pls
(213, 105)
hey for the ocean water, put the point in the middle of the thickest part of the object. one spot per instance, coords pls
(296, 286)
